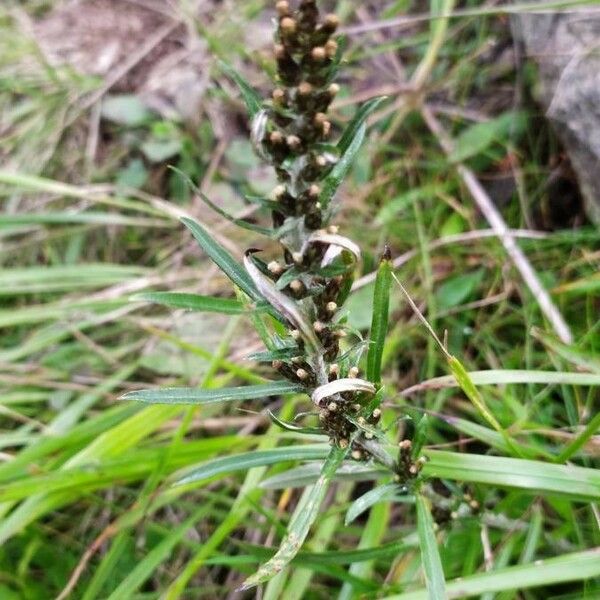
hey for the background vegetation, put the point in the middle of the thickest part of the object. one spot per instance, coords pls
(90, 217)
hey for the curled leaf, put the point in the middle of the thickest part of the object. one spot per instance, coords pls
(341, 385)
(284, 305)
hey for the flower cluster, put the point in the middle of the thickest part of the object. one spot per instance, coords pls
(310, 283)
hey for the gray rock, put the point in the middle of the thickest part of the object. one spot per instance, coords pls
(566, 48)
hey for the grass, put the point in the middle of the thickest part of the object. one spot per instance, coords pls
(92, 475)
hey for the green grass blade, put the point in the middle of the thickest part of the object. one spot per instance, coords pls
(574, 446)
(304, 516)
(468, 387)
(379, 323)
(575, 566)
(146, 567)
(579, 483)
(203, 396)
(430, 555)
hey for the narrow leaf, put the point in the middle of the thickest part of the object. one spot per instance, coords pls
(203, 396)
(196, 302)
(472, 393)
(364, 502)
(379, 323)
(359, 118)
(222, 258)
(430, 556)
(338, 173)
(251, 97)
(256, 458)
(304, 516)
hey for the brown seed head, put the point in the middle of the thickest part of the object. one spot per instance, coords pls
(331, 307)
(319, 119)
(279, 51)
(296, 285)
(333, 89)
(293, 141)
(301, 374)
(331, 22)
(353, 372)
(314, 191)
(305, 88)
(278, 96)
(275, 268)
(276, 137)
(331, 48)
(318, 326)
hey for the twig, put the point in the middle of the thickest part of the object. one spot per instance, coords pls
(494, 218)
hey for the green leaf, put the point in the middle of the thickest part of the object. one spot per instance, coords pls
(457, 289)
(430, 556)
(291, 427)
(222, 258)
(534, 476)
(125, 109)
(256, 458)
(251, 97)
(357, 121)
(379, 323)
(341, 168)
(468, 387)
(477, 138)
(364, 502)
(561, 569)
(304, 516)
(203, 396)
(196, 302)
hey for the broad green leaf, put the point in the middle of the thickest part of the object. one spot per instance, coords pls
(196, 302)
(338, 173)
(430, 555)
(477, 138)
(304, 516)
(537, 477)
(222, 258)
(208, 396)
(364, 502)
(379, 323)
(257, 458)
(457, 289)
(575, 566)
(251, 97)
(357, 121)
(125, 109)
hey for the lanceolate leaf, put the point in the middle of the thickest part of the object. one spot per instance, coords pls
(257, 458)
(228, 306)
(364, 502)
(251, 96)
(222, 258)
(379, 323)
(203, 396)
(338, 173)
(430, 556)
(304, 516)
(359, 118)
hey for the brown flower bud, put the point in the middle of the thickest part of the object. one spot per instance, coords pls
(301, 374)
(319, 119)
(275, 137)
(296, 286)
(318, 54)
(331, 307)
(331, 22)
(283, 8)
(287, 25)
(318, 326)
(305, 88)
(293, 141)
(333, 89)
(275, 268)
(353, 372)
(280, 52)
(314, 191)
(278, 96)
(326, 128)
(278, 192)
(331, 48)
